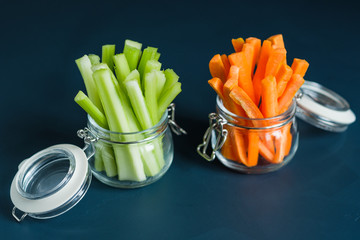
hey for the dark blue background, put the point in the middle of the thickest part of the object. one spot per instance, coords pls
(317, 196)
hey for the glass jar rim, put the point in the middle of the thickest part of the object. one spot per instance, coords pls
(283, 118)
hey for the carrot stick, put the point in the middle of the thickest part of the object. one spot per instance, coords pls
(240, 146)
(237, 44)
(218, 86)
(228, 148)
(269, 104)
(232, 82)
(249, 52)
(282, 78)
(277, 41)
(253, 149)
(265, 152)
(289, 140)
(275, 60)
(282, 144)
(260, 69)
(217, 68)
(299, 66)
(292, 87)
(239, 96)
(226, 63)
(257, 46)
(239, 60)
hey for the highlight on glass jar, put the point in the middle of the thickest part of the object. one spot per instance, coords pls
(250, 145)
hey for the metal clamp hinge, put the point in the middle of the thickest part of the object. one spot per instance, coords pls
(19, 219)
(215, 123)
(173, 125)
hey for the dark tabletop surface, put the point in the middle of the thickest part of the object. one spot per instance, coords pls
(316, 196)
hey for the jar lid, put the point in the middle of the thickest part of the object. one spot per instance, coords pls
(50, 182)
(323, 108)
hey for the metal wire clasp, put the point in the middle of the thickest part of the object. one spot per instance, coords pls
(89, 140)
(173, 125)
(215, 123)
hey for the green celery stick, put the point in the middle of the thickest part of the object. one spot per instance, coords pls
(128, 158)
(148, 54)
(91, 109)
(171, 78)
(108, 158)
(94, 59)
(121, 67)
(133, 75)
(138, 103)
(108, 52)
(98, 162)
(157, 56)
(132, 51)
(167, 97)
(151, 65)
(160, 82)
(151, 95)
(84, 65)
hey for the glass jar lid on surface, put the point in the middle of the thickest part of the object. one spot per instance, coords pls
(323, 108)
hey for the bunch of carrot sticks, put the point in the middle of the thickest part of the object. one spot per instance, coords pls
(256, 82)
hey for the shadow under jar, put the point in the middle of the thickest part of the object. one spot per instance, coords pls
(131, 160)
(248, 145)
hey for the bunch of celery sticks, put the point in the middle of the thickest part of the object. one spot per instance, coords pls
(127, 92)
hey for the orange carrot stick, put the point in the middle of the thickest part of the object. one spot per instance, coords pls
(253, 149)
(277, 41)
(239, 96)
(292, 87)
(232, 82)
(257, 46)
(226, 63)
(281, 142)
(299, 66)
(276, 58)
(239, 60)
(228, 149)
(288, 140)
(269, 104)
(217, 68)
(237, 44)
(249, 52)
(265, 152)
(240, 146)
(260, 69)
(282, 78)
(218, 86)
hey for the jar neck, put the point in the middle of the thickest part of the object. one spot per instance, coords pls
(255, 123)
(128, 137)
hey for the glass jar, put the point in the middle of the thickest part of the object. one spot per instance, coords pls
(256, 146)
(248, 145)
(54, 180)
(131, 160)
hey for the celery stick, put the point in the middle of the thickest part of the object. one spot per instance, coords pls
(108, 158)
(157, 56)
(130, 167)
(171, 78)
(151, 95)
(167, 97)
(133, 75)
(91, 109)
(84, 66)
(138, 103)
(160, 82)
(121, 67)
(98, 162)
(151, 65)
(108, 52)
(94, 59)
(148, 54)
(132, 51)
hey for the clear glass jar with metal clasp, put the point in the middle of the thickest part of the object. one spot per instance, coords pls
(255, 146)
(54, 180)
